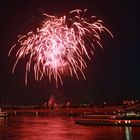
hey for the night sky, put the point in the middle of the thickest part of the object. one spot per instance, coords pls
(112, 75)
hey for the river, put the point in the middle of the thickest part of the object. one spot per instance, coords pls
(61, 128)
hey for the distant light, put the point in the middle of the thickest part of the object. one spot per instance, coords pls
(129, 121)
(125, 121)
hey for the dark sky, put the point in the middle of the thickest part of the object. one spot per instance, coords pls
(114, 72)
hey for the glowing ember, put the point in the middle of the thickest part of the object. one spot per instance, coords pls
(59, 45)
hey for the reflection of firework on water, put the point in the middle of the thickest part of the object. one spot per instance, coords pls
(59, 45)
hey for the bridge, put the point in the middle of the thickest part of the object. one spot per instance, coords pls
(108, 110)
(66, 111)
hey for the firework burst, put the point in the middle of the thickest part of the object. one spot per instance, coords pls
(59, 46)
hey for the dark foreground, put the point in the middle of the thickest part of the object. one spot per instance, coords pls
(61, 128)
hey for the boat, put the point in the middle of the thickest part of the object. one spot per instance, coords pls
(108, 122)
(3, 114)
(121, 119)
(131, 115)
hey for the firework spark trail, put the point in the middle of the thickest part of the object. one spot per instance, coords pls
(59, 45)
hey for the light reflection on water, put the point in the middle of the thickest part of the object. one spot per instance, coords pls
(128, 133)
(61, 128)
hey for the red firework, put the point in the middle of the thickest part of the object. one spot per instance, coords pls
(59, 45)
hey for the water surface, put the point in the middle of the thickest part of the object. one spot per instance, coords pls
(61, 128)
